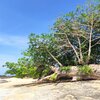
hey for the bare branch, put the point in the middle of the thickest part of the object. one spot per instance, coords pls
(92, 46)
(95, 39)
(53, 57)
(71, 45)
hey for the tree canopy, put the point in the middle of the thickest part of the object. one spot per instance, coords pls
(75, 40)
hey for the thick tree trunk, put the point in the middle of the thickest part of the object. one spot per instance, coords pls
(73, 74)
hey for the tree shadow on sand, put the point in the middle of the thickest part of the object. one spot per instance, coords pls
(3, 81)
(43, 83)
(35, 83)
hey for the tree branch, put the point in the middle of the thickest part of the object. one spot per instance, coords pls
(53, 57)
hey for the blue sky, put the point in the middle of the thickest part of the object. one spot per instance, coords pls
(19, 18)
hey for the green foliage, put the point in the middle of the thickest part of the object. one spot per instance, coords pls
(32, 72)
(46, 71)
(85, 70)
(74, 27)
(53, 77)
(65, 68)
(12, 68)
(22, 70)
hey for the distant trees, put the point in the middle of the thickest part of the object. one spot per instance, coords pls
(75, 41)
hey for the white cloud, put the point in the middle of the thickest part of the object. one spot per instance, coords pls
(15, 41)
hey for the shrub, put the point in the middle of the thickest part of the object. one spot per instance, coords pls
(65, 68)
(53, 77)
(46, 71)
(85, 70)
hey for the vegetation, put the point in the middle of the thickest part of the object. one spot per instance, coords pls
(75, 40)
(65, 68)
(85, 70)
(53, 77)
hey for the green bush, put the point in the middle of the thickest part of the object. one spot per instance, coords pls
(85, 70)
(32, 72)
(65, 68)
(53, 77)
(46, 71)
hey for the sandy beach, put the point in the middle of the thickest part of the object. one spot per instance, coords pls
(25, 89)
(11, 89)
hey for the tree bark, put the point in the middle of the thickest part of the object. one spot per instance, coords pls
(54, 57)
(73, 74)
(80, 51)
(90, 40)
(73, 48)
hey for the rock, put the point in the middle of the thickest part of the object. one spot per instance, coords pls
(86, 98)
(69, 97)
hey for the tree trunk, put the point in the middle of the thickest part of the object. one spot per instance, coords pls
(90, 40)
(73, 74)
(54, 57)
(80, 52)
(76, 53)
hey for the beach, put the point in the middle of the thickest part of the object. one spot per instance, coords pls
(25, 89)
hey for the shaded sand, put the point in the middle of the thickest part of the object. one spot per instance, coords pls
(24, 89)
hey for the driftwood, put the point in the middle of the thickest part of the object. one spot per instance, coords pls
(73, 74)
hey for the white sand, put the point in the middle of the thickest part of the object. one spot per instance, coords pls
(8, 89)
(23, 89)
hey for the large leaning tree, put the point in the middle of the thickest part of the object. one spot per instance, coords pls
(75, 40)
